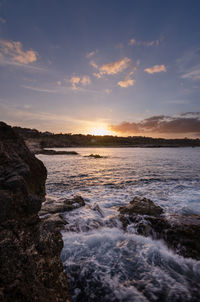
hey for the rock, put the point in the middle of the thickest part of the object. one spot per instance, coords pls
(53, 152)
(33, 145)
(180, 232)
(30, 248)
(54, 222)
(61, 205)
(95, 156)
(141, 206)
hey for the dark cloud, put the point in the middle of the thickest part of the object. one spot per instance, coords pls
(186, 124)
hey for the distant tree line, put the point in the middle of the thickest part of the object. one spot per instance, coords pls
(48, 139)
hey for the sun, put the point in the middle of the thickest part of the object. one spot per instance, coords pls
(100, 130)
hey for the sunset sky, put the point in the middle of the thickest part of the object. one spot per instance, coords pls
(102, 67)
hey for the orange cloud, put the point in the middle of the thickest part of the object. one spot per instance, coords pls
(111, 68)
(155, 69)
(74, 81)
(115, 67)
(93, 64)
(85, 80)
(97, 75)
(13, 51)
(126, 83)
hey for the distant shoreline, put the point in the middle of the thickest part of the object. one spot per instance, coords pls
(38, 141)
(124, 147)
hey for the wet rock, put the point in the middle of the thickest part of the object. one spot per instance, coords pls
(180, 232)
(61, 205)
(141, 206)
(30, 248)
(95, 156)
(53, 152)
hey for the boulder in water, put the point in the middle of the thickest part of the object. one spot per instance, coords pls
(142, 206)
(95, 156)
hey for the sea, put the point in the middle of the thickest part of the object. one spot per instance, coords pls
(103, 262)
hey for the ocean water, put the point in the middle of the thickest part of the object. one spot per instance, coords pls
(103, 262)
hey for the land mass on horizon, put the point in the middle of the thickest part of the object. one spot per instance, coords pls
(37, 141)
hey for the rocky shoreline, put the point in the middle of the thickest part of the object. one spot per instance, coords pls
(30, 247)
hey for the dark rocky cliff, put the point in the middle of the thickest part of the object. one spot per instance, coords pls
(30, 266)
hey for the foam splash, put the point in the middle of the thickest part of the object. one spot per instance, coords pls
(110, 265)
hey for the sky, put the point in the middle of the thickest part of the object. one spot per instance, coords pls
(128, 67)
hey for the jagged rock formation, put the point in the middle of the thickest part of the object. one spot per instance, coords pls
(180, 232)
(30, 266)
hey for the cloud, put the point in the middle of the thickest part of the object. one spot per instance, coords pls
(28, 67)
(93, 64)
(192, 75)
(13, 52)
(2, 20)
(61, 89)
(152, 43)
(155, 69)
(115, 67)
(85, 80)
(185, 124)
(97, 75)
(133, 41)
(188, 64)
(111, 68)
(39, 89)
(75, 81)
(91, 54)
(126, 83)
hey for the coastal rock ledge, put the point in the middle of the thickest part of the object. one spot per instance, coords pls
(180, 232)
(30, 266)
